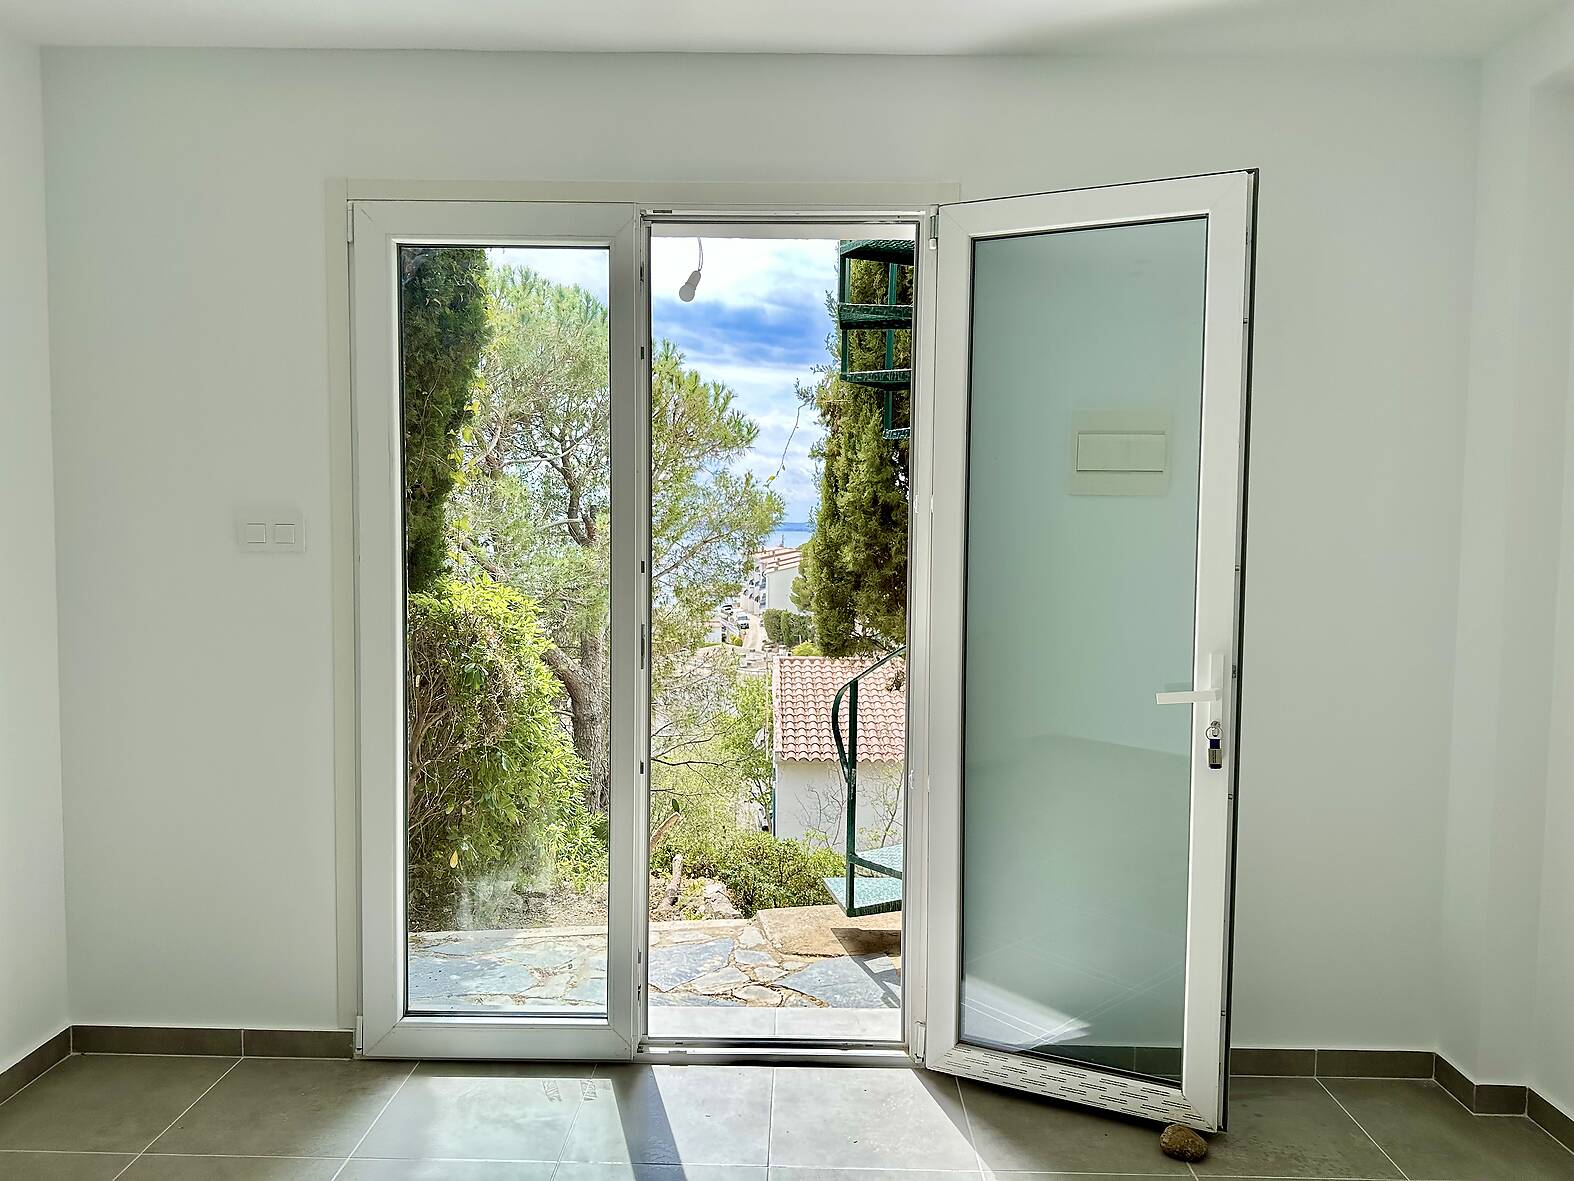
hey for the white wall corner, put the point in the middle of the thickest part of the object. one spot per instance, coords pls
(1508, 741)
(33, 982)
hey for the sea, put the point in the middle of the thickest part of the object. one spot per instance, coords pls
(790, 533)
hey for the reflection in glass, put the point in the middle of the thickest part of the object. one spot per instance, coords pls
(1082, 503)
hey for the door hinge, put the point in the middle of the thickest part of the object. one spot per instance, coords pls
(934, 228)
(360, 1034)
(918, 1041)
(349, 222)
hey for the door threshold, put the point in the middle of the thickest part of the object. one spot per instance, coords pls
(718, 1053)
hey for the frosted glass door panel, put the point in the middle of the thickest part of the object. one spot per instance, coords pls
(1083, 450)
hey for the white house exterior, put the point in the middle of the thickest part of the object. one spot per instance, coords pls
(769, 580)
(780, 567)
(809, 795)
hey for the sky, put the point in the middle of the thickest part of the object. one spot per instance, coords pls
(757, 324)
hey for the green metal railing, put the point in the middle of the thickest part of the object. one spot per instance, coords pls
(885, 862)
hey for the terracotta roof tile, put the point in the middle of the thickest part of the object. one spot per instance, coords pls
(802, 689)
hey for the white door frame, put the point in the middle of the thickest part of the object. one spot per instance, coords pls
(826, 216)
(378, 229)
(1226, 201)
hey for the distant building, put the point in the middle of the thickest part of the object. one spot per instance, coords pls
(809, 793)
(769, 581)
(779, 566)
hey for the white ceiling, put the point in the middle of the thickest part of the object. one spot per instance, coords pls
(1433, 28)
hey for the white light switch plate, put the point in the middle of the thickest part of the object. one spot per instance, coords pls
(270, 531)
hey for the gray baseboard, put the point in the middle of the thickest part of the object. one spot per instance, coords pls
(33, 1064)
(228, 1043)
(1334, 1063)
(1480, 1098)
(1555, 1122)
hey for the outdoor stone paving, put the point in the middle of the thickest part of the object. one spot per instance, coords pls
(802, 957)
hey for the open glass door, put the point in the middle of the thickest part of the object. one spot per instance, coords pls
(1089, 377)
(498, 443)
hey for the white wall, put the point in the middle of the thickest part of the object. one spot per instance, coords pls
(1508, 903)
(778, 587)
(811, 797)
(190, 352)
(32, 881)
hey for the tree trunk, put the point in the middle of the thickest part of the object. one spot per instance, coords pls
(674, 885)
(582, 682)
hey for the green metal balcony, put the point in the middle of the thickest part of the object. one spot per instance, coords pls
(889, 316)
(897, 251)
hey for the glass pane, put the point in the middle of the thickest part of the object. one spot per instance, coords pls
(504, 361)
(1085, 411)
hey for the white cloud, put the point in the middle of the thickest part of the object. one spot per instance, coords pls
(572, 266)
(758, 325)
(747, 272)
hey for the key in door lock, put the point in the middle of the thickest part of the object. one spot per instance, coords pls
(1215, 751)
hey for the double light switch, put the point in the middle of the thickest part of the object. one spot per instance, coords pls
(270, 533)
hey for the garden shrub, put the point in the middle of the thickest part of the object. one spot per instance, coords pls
(492, 775)
(759, 870)
(787, 627)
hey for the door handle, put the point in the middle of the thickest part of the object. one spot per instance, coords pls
(1211, 692)
(1188, 697)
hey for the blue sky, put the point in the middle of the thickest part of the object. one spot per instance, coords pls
(757, 324)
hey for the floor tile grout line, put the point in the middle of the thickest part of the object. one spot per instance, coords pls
(1364, 1132)
(573, 1120)
(381, 1111)
(770, 1120)
(70, 1054)
(967, 1122)
(190, 1155)
(179, 1117)
(1537, 1125)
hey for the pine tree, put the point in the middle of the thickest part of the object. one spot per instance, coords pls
(442, 331)
(854, 578)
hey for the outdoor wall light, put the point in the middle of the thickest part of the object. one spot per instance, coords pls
(686, 292)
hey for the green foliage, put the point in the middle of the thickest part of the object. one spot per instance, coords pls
(707, 521)
(721, 756)
(492, 778)
(534, 512)
(854, 572)
(760, 871)
(582, 843)
(787, 627)
(807, 648)
(443, 328)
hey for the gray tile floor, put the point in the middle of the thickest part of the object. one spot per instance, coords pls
(145, 1118)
